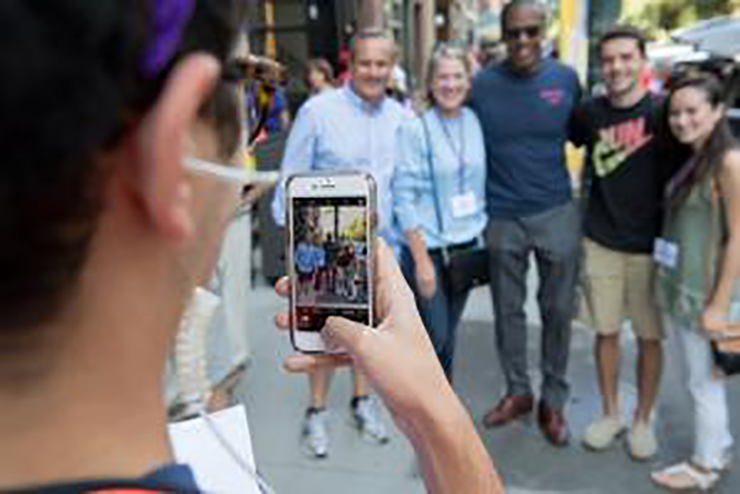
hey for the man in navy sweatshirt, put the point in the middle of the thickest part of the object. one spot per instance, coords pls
(524, 105)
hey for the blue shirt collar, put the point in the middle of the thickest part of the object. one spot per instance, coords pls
(358, 102)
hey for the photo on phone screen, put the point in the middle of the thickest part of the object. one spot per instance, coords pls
(330, 257)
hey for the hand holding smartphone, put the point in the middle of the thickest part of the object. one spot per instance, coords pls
(329, 253)
(399, 361)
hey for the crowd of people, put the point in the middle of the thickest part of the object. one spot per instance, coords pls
(110, 229)
(329, 264)
(116, 197)
(485, 164)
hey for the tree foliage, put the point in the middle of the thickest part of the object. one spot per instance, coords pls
(661, 16)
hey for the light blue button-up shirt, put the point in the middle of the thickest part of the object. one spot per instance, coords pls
(338, 130)
(459, 163)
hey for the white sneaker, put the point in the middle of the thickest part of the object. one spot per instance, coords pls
(642, 441)
(367, 419)
(602, 432)
(315, 438)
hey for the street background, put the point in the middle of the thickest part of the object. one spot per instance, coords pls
(276, 401)
(291, 31)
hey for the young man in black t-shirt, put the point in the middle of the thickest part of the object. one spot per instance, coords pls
(624, 177)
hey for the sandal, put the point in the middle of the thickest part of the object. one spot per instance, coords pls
(685, 476)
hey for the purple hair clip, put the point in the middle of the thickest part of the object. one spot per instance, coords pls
(170, 19)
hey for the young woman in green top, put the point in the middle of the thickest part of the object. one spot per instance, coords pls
(699, 258)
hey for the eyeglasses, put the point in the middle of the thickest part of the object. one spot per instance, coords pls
(517, 32)
(225, 173)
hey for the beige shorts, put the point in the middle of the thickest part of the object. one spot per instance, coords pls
(619, 286)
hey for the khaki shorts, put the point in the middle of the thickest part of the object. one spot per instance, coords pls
(619, 286)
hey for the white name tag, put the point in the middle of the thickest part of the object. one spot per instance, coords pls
(463, 205)
(665, 253)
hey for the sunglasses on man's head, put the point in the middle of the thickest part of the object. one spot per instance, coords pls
(517, 32)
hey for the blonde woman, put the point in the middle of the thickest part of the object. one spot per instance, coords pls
(438, 195)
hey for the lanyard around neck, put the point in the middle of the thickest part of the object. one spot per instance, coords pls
(459, 153)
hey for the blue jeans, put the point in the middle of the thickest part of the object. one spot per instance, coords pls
(554, 237)
(441, 314)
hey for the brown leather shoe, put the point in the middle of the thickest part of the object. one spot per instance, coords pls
(553, 425)
(509, 408)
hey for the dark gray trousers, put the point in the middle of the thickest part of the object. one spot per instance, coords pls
(554, 237)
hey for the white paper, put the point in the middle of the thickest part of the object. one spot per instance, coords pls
(215, 470)
(463, 205)
(665, 253)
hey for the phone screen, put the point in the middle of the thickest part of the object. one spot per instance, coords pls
(330, 255)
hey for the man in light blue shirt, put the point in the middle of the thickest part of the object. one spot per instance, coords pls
(352, 128)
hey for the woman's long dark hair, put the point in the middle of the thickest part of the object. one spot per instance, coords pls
(708, 159)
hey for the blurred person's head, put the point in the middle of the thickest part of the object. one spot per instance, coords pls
(397, 87)
(319, 75)
(106, 231)
(448, 79)
(523, 24)
(697, 118)
(372, 62)
(696, 109)
(490, 50)
(622, 60)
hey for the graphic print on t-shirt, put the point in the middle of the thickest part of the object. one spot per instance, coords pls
(617, 143)
(554, 96)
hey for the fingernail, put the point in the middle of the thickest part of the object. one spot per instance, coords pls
(330, 345)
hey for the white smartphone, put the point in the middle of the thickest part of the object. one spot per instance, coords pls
(329, 253)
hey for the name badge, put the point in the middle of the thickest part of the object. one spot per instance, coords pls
(463, 205)
(665, 253)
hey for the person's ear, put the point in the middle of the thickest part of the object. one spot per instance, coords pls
(162, 140)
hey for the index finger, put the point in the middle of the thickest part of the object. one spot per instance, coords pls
(390, 283)
(385, 262)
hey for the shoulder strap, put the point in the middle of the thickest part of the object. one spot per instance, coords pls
(430, 163)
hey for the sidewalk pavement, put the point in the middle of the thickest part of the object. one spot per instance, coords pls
(276, 401)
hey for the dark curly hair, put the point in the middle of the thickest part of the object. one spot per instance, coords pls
(72, 86)
(624, 31)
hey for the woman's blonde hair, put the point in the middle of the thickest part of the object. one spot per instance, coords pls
(444, 51)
